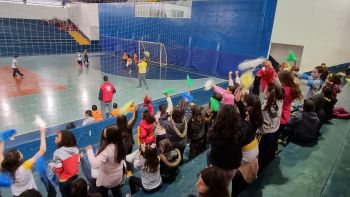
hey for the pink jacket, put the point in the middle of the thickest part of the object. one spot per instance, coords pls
(287, 103)
(226, 95)
(146, 133)
(110, 173)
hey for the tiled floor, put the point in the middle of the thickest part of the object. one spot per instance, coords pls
(81, 88)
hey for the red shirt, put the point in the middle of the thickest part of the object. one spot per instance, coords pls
(267, 77)
(106, 92)
(146, 133)
(287, 103)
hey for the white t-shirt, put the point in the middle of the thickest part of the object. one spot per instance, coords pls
(150, 180)
(80, 57)
(24, 179)
(14, 63)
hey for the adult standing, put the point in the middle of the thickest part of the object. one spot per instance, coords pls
(14, 67)
(106, 95)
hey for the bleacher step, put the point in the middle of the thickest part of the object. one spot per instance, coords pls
(79, 38)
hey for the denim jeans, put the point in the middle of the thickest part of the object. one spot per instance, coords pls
(105, 105)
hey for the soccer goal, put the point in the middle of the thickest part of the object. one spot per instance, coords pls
(154, 52)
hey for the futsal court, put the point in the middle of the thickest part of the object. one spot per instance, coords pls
(185, 44)
(57, 88)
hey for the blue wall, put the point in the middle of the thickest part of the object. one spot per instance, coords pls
(219, 35)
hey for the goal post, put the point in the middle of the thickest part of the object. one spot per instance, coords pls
(155, 52)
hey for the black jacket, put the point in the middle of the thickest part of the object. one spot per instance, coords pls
(304, 128)
(169, 165)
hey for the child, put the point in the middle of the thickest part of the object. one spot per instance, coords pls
(125, 128)
(251, 119)
(324, 104)
(88, 118)
(146, 128)
(115, 112)
(228, 94)
(147, 162)
(291, 91)
(80, 189)
(271, 111)
(97, 114)
(80, 59)
(315, 81)
(86, 58)
(304, 125)
(125, 57)
(65, 162)
(267, 75)
(159, 131)
(170, 159)
(196, 132)
(135, 58)
(211, 184)
(225, 137)
(128, 64)
(142, 73)
(14, 67)
(109, 161)
(176, 126)
(20, 170)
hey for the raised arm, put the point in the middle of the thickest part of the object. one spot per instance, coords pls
(304, 76)
(230, 80)
(237, 79)
(96, 161)
(42, 148)
(187, 112)
(218, 89)
(133, 119)
(170, 105)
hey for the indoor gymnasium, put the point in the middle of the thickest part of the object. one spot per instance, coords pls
(174, 98)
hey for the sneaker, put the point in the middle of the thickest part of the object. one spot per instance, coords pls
(138, 87)
(147, 88)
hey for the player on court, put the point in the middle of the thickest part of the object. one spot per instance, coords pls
(86, 58)
(80, 59)
(14, 67)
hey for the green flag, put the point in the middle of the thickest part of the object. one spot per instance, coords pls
(168, 91)
(291, 57)
(214, 104)
(189, 81)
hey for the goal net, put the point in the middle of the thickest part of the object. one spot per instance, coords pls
(154, 52)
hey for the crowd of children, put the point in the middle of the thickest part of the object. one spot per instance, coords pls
(239, 131)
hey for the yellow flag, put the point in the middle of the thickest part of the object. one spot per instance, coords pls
(247, 79)
(125, 108)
